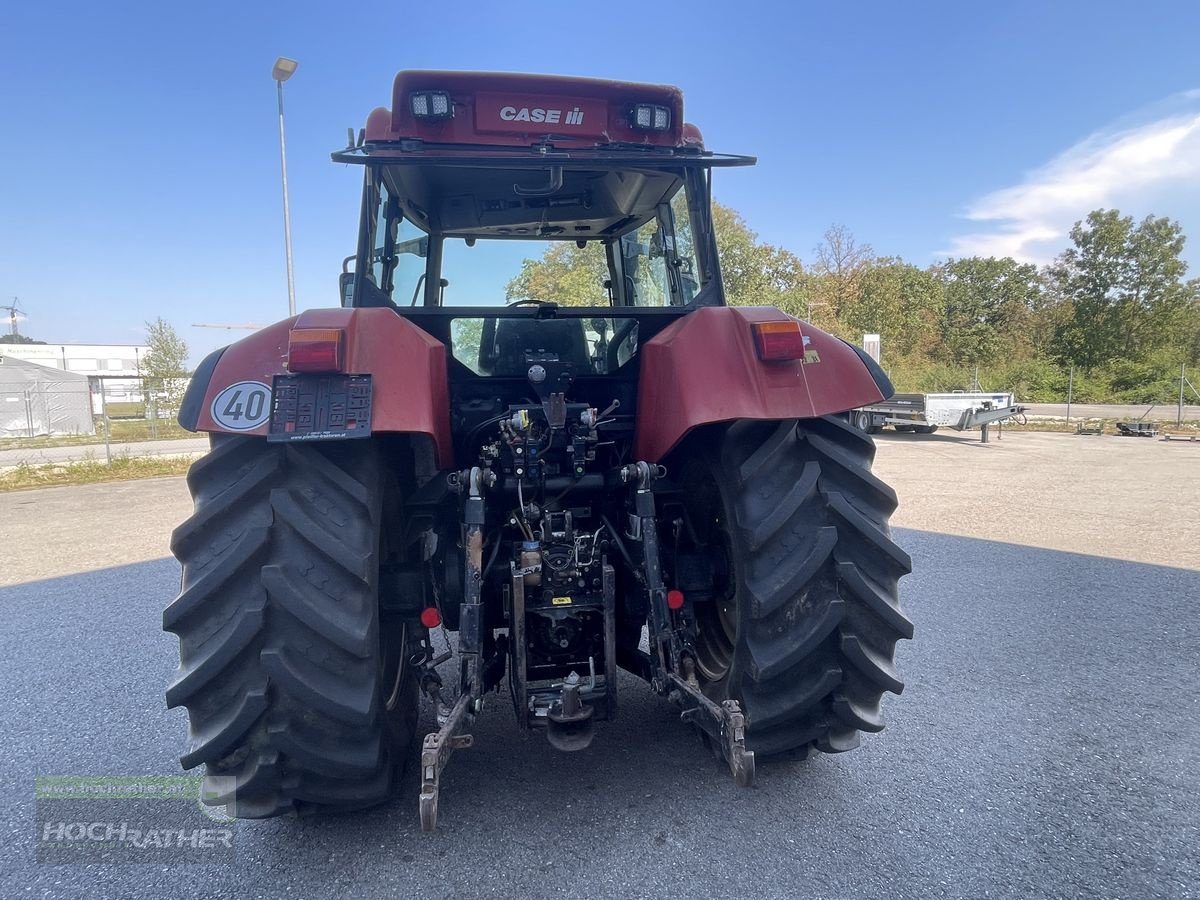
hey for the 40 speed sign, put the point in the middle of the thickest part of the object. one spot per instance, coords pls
(242, 406)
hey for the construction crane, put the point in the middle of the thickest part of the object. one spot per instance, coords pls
(13, 309)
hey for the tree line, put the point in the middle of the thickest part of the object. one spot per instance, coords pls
(1116, 305)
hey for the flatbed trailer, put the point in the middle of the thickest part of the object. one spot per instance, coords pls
(925, 413)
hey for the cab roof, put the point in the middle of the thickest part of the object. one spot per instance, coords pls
(504, 108)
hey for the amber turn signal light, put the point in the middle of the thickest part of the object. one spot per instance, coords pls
(315, 350)
(778, 341)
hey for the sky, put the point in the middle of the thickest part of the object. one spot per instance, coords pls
(139, 154)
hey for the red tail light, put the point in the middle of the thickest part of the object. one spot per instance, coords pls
(315, 350)
(778, 341)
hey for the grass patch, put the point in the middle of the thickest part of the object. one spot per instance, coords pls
(91, 471)
(127, 431)
(142, 430)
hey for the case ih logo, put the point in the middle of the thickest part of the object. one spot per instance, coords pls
(531, 114)
(537, 114)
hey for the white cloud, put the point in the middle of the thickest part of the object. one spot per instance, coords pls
(1125, 166)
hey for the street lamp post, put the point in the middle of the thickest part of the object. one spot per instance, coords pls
(283, 70)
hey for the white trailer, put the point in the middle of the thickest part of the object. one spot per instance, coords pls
(925, 413)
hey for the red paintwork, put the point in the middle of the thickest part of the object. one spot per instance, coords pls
(478, 98)
(704, 368)
(408, 369)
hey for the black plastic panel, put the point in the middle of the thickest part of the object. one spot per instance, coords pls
(320, 407)
(193, 398)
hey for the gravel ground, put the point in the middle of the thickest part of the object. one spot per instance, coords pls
(1046, 744)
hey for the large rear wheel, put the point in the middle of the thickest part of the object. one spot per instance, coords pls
(803, 632)
(298, 693)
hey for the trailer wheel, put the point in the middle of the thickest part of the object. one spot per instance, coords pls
(862, 420)
(298, 697)
(803, 630)
(926, 429)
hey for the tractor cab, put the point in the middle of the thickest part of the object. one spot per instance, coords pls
(512, 214)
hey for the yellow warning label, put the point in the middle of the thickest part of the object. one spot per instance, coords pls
(561, 601)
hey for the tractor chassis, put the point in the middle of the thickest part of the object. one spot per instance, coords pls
(568, 717)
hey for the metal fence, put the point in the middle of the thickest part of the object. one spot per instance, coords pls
(34, 409)
(60, 421)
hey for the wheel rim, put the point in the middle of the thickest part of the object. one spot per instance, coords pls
(716, 620)
(715, 641)
(393, 646)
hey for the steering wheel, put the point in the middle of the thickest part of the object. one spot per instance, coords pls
(528, 301)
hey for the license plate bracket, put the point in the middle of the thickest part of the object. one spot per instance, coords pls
(320, 408)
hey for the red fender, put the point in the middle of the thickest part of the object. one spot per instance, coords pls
(408, 369)
(704, 368)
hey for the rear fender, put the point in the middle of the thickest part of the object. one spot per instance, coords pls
(406, 365)
(704, 368)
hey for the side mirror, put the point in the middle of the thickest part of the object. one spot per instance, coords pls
(416, 246)
(346, 288)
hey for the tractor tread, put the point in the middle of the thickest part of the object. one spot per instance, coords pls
(319, 611)
(769, 526)
(874, 598)
(215, 737)
(218, 652)
(815, 574)
(306, 522)
(277, 618)
(201, 524)
(771, 656)
(206, 581)
(333, 695)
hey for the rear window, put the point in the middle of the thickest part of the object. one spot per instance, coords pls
(506, 346)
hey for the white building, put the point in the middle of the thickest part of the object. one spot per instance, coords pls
(114, 369)
(86, 359)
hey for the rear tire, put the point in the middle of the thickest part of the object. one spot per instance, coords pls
(297, 698)
(804, 635)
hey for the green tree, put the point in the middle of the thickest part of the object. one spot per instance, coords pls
(566, 274)
(753, 272)
(989, 304)
(164, 367)
(841, 263)
(900, 302)
(1123, 288)
(756, 273)
(18, 339)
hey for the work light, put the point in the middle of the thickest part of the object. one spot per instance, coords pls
(648, 117)
(431, 105)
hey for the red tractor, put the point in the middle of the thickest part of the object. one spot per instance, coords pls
(611, 470)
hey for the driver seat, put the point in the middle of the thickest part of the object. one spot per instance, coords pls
(515, 338)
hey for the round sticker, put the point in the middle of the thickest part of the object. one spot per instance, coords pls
(242, 406)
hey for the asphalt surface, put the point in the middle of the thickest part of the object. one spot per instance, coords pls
(42, 455)
(1160, 413)
(1047, 742)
